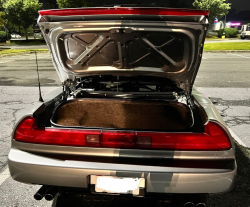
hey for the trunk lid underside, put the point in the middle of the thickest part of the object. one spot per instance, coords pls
(156, 45)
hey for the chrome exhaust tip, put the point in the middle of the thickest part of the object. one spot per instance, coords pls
(200, 205)
(188, 200)
(41, 192)
(189, 204)
(51, 193)
(198, 200)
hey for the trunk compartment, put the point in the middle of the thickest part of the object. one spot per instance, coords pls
(123, 114)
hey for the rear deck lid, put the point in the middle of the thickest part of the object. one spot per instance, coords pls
(126, 41)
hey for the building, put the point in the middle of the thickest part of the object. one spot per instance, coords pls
(220, 25)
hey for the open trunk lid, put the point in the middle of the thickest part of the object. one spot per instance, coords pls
(126, 41)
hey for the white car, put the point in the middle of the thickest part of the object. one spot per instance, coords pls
(246, 33)
(15, 36)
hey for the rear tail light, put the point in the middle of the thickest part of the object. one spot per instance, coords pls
(118, 139)
(27, 131)
(143, 142)
(214, 138)
(92, 139)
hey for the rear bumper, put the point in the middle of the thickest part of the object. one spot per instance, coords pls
(29, 168)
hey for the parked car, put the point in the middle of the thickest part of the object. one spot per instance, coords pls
(38, 34)
(128, 119)
(15, 36)
(245, 33)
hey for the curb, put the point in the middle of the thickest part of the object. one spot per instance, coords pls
(22, 53)
(225, 51)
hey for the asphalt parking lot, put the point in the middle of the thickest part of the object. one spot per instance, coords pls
(224, 77)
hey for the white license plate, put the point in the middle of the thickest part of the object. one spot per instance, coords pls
(113, 185)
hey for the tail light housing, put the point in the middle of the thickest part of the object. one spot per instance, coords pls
(123, 11)
(213, 138)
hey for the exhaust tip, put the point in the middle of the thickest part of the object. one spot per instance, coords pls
(49, 197)
(38, 196)
(51, 193)
(201, 205)
(41, 192)
(189, 204)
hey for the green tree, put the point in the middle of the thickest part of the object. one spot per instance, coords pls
(1, 19)
(20, 13)
(217, 8)
(71, 3)
(1, 15)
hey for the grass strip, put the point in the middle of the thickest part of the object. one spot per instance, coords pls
(212, 37)
(24, 42)
(228, 46)
(13, 51)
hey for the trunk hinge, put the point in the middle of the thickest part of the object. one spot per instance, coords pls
(68, 86)
(186, 86)
(190, 100)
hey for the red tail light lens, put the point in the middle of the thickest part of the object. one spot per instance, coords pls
(214, 138)
(118, 139)
(27, 131)
(123, 11)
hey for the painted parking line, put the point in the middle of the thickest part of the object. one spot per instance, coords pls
(204, 58)
(239, 55)
(4, 175)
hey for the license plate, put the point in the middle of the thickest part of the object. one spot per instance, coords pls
(117, 185)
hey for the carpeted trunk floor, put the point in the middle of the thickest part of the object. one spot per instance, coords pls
(125, 114)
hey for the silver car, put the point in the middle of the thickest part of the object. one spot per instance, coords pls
(127, 119)
(38, 34)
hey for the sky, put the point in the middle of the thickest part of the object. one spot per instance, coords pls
(240, 4)
(240, 11)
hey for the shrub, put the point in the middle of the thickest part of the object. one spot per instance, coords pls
(229, 32)
(3, 36)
